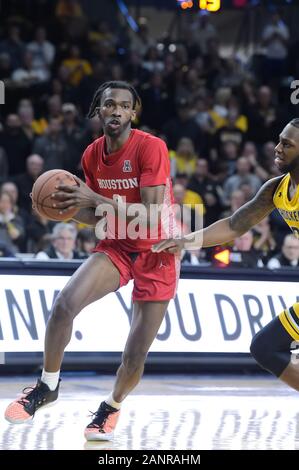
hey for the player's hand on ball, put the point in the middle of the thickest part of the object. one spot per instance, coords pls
(67, 197)
(172, 245)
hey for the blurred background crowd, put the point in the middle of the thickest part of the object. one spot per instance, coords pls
(219, 107)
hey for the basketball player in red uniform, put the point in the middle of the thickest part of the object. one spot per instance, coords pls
(133, 165)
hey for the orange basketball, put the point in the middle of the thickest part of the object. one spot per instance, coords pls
(43, 189)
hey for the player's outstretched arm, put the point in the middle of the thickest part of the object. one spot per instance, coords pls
(225, 230)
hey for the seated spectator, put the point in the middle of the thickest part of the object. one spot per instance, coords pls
(73, 135)
(31, 126)
(42, 51)
(189, 209)
(62, 244)
(243, 176)
(243, 254)
(27, 75)
(250, 152)
(184, 156)
(15, 143)
(224, 165)
(275, 37)
(210, 193)
(52, 147)
(183, 125)
(25, 181)
(289, 256)
(230, 131)
(3, 165)
(77, 66)
(11, 225)
(263, 238)
(5, 251)
(237, 199)
(11, 189)
(202, 115)
(193, 258)
(38, 232)
(5, 67)
(85, 242)
(13, 46)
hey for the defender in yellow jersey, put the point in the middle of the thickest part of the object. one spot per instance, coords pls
(271, 345)
(288, 207)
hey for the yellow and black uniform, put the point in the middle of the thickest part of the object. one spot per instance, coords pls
(289, 211)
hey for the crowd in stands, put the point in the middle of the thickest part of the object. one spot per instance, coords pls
(220, 117)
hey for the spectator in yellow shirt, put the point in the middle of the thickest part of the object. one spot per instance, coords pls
(76, 66)
(184, 156)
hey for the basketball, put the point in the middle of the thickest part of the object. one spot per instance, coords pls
(42, 190)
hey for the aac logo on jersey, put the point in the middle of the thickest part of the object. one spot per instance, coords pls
(127, 166)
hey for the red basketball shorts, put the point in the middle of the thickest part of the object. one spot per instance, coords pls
(155, 275)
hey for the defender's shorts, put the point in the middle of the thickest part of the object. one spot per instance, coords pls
(155, 275)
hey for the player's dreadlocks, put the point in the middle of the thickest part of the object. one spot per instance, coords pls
(113, 84)
(295, 122)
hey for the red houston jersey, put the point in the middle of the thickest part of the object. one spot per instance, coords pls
(142, 161)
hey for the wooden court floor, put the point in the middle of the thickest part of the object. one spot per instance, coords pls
(165, 412)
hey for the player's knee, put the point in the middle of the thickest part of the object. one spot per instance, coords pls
(258, 347)
(266, 352)
(62, 311)
(132, 362)
(270, 347)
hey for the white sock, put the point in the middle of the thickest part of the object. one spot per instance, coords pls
(50, 379)
(110, 401)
